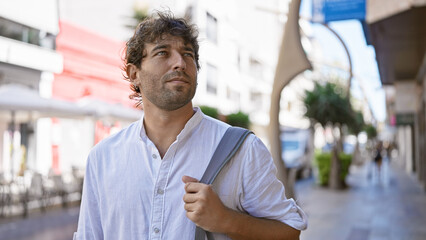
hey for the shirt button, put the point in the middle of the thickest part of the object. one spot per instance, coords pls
(156, 230)
(154, 156)
(160, 191)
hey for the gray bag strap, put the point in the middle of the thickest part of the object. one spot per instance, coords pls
(228, 146)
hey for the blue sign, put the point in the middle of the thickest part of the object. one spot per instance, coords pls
(324, 11)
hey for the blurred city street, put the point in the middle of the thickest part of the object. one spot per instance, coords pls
(333, 88)
(390, 209)
(55, 224)
(369, 209)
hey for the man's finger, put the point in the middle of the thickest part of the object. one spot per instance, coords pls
(193, 187)
(190, 184)
(190, 198)
(189, 207)
(187, 179)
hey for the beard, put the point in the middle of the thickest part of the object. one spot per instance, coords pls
(167, 96)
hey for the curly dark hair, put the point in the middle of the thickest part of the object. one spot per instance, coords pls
(148, 31)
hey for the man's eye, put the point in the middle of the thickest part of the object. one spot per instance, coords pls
(162, 53)
(188, 55)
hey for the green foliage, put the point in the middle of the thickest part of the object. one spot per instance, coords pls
(139, 14)
(356, 126)
(371, 131)
(345, 160)
(328, 104)
(323, 162)
(210, 111)
(238, 119)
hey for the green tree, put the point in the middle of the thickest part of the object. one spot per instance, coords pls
(139, 14)
(371, 131)
(357, 125)
(329, 105)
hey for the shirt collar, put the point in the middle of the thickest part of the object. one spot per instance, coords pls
(189, 126)
(141, 128)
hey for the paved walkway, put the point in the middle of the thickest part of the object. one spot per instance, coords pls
(390, 208)
(55, 224)
(393, 208)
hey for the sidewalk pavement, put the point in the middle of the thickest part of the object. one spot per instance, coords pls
(393, 208)
(55, 224)
(390, 208)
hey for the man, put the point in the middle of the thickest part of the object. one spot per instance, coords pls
(142, 182)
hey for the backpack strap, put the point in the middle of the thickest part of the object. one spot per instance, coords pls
(228, 146)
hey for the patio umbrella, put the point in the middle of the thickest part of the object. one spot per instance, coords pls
(115, 111)
(17, 99)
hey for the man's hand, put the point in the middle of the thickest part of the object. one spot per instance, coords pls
(207, 211)
(204, 207)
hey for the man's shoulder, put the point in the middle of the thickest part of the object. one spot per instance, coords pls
(215, 127)
(213, 122)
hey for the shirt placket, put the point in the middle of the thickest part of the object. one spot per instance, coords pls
(159, 195)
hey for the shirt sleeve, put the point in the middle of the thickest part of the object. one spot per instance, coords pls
(89, 222)
(263, 195)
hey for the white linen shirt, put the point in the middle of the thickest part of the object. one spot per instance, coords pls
(131, 193)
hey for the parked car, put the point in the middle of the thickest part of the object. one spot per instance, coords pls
(295, 149)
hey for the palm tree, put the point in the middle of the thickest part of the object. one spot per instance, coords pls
(139, 14)
(371, 131)
(328, 105)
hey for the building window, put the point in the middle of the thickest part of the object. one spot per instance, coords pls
(256, 99)
(12, 30)
(233, 95)
(19, 32)
(256, 68)
(211, 79)
(211, 28)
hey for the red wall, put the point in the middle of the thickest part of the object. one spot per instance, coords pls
(91, 66)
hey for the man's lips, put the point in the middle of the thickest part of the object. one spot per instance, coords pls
(177, 80)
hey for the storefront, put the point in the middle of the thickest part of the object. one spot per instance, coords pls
(396, 30)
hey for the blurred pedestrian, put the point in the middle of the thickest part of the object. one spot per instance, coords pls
(378, 158)
(142, 183)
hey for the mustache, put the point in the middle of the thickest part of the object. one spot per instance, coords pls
(175, 74)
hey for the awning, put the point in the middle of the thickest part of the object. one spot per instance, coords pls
(25, 102)
(114, 111)
(20, 99)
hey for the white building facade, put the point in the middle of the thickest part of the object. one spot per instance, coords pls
(27, 59)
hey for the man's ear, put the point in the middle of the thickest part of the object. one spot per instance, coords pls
(132, 72)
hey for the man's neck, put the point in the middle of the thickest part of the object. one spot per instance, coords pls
(162, 127)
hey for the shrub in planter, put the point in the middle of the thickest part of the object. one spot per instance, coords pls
(210, 111)
(345, 160)
(323, 163)
(238, 119)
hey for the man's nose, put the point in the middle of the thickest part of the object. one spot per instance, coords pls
(178, 62)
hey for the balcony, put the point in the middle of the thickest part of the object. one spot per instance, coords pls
(30, 56)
